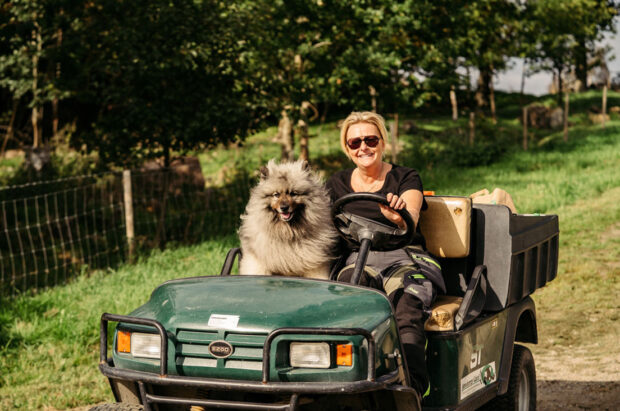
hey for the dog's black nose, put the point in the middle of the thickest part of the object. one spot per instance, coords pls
(284, 208)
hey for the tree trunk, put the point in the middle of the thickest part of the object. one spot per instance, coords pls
(479, 96)
(472, 127)
(55, 121)
(469, 92)
(566, 101)
(373, 98)
(166, 155)
(302, 129)
(286, 137)
(492, 101)
(581, 63)
(37, 134)
(160, 232)
(324, 114)
(560, 87)
(9, 130)
(482, 94)
(604, 106)
(453, 102)
(55, 117)
(522, 92)
(37, 108)
(394, 134)
(525, 128)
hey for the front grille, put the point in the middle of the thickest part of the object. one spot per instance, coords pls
(192, 350)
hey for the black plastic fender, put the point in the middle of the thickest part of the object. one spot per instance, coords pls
(520, 326)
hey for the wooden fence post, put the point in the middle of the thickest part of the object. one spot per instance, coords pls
(128, 199)
(566, 99)
(604, 110)
(525, 128)
(394, 134)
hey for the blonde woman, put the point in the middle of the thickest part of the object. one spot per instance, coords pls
(409, 276)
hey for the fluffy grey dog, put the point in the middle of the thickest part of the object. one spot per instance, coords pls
(286, 228)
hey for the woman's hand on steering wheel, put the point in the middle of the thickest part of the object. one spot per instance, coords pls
(389, 212)
(354, 228)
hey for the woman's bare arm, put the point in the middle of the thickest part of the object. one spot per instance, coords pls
(410, 199)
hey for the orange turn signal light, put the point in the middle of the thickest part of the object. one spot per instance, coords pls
(123, 341)
(429, 193)
(344, 354)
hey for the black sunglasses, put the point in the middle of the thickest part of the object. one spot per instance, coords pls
(355, 143)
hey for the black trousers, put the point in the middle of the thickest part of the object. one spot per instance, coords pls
(405, 281)
(410, 317)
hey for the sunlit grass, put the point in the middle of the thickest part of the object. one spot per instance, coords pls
(8, 167)
(543, 180)
(580, 308)
(49, 342)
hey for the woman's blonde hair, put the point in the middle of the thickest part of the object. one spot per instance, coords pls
(361, 117)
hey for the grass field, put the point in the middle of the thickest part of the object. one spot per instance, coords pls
(49, 341)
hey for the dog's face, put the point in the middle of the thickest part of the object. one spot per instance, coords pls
(286, 204)
(285, 189)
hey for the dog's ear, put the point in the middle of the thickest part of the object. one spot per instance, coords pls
(264, 172)
(305, 165)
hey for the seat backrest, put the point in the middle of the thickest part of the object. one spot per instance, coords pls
(446, 226)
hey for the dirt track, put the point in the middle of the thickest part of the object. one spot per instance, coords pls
(578, 395)
(575, 381)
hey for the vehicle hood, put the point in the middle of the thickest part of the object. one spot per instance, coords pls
(261, 304)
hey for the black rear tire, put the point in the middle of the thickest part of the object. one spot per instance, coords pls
(521, 394)
(117, 406)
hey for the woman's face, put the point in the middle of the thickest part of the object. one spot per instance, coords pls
(365, 156)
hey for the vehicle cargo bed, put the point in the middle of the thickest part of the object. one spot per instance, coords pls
(520, 252)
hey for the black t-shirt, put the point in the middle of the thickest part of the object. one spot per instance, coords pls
(398, 180)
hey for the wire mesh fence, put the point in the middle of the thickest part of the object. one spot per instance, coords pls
(52, 230)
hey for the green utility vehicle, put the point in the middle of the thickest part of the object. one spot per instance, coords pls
(284, 343)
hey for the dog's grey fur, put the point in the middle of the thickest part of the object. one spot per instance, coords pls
(298, 242)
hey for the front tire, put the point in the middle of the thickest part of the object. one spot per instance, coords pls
(521, 394)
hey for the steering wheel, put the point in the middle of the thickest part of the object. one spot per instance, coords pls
(354, 228)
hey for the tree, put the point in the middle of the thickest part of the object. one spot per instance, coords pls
(447, 38)
(309, 54)
(161, 76)
(437, 47)
(139, 79)
(564, 32)
(29, 39)
(591, 18)
(488, 41)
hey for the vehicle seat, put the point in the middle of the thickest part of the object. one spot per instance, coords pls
(447, 226)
